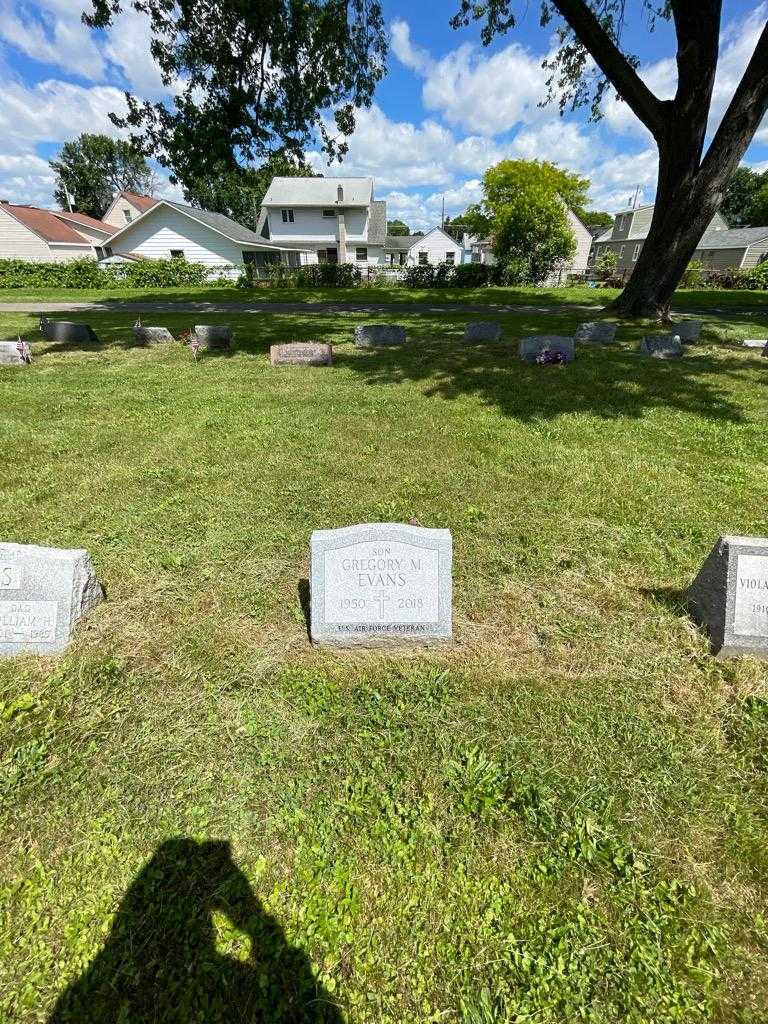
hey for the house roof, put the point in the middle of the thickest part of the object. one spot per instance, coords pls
(142, 203)
(46, 225)
(606, 235)
(85, 220)
(420, 238)
(318, 192)
(216, 221)
(400, 242)
(732, 238)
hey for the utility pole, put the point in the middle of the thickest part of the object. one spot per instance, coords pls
(442, 215)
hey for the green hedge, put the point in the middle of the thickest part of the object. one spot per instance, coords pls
(86, 273)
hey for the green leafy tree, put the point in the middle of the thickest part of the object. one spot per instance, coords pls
(474, 221)
(524, 206)
(589, 60)
(251, 78)
(92, 168)
(397, 227)
(746, 198)
(594, 218)
(607, 262)
(239, 193)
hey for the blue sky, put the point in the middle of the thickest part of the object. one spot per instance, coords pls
(448, 108)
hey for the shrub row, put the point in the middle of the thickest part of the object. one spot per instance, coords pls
(316, 275)
(86, 273)
(465, 275)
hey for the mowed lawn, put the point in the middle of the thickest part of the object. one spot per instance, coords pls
(562, 816)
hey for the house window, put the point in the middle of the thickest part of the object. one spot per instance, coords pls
(287, 216)
(636, 253)
(621, 251)
(423, 259)
(327, 255)
(329, 213)
(450, 257)
(361, 254)
(475, 257)
(177, 254)
(128, 216)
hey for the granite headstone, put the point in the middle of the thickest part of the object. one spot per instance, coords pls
(730, 596)
(67, 332)
(688, 331)
(11, 354)
(381, 585)
(598, 332)
(375, 335)
(482, 330)
(151, 335)
(754, 343)
(301, 353)
(531, 348)
(213, 336)
(43, 592)
(661, 346)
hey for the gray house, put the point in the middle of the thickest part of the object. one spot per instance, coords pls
(630, 229)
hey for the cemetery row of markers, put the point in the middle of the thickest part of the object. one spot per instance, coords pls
(376, 584)
(545, 349)
(371, 585)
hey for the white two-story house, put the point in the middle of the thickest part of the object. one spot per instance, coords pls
(324, 220)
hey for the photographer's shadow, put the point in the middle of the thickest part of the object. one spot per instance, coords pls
(160, 963)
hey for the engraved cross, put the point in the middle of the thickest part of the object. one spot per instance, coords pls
(381, 599)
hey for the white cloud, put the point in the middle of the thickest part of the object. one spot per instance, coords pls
(54, 111)
(413, 57)
(52, 33)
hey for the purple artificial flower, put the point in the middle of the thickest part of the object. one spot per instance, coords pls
(550, 357)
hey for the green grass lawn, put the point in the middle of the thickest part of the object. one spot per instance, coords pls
(705, 299)
(561, 816)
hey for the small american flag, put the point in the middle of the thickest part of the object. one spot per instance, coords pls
(25, 352)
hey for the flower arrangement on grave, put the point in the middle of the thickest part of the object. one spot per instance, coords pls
(550, 357)
(25, 352)
(185, 337)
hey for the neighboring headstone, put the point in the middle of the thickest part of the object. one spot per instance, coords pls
(67, 332)
(661, 346)
(380, 585)
(730, 596)
(532, 347)
(598, 332)
(482, 330)
(213, 336)
(14, 353)
(373, 335)
(688, 331)
(754, 343)
(151, 335)
(301, 353)
(43, 592)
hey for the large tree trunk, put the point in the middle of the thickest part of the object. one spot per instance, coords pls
(685, 204)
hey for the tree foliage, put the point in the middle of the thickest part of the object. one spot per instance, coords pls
(397, 227)
(594, 218)
(239, 193)
(251, 78)
(524, 202)
(92, 168)
(746, 198)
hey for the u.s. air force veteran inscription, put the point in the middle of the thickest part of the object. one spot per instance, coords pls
(380, 584)
(730, 596)
(43, 592)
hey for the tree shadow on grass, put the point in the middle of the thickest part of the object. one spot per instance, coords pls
(609, 382)
(160, 963)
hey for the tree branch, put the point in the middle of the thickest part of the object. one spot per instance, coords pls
(743, 116)
(613, 63)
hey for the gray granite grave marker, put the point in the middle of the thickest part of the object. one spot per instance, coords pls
(151, 335)
(531, 347)
(381, 585)
(213, 336)
(730, 596)
(688, 331)
(10, 354)
(374, 335)
(661, 346)
(598, 332)
(43, 592)
(301, 353)
(482, 330)
(65, 331)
